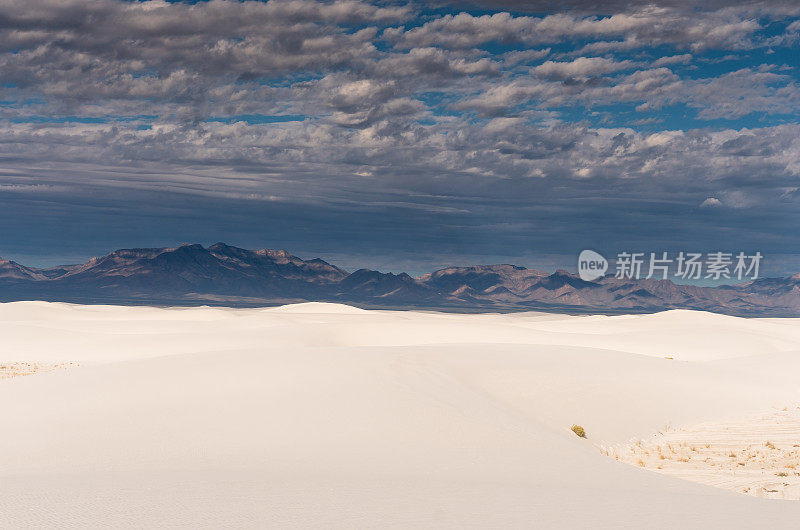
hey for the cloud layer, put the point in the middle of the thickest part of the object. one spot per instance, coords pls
(502, 132)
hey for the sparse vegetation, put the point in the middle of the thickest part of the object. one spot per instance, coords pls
(21, 368)
(578, 430)
(748, 466)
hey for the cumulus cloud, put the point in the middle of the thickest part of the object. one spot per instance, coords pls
(191, 61)
(711, 202)
(581, 67)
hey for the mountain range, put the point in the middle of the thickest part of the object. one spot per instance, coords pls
(226, 275)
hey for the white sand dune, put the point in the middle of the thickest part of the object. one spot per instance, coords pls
(320, 415)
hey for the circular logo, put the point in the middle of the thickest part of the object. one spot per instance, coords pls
(591, 265)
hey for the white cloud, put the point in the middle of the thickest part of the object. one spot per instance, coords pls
(684, 58)
(581, 67)
(639, 27)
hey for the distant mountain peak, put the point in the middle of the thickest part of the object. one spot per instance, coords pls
(12, 271)
(222, 273)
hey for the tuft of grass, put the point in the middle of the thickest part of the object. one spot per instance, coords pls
(578, 430)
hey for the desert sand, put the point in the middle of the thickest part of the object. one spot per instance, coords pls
(328, 416)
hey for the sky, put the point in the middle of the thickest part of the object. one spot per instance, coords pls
(401, 136)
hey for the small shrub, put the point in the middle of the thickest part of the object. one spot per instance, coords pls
(770, 445)
(578, 430)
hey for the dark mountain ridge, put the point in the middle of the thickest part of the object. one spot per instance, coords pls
(222, 274)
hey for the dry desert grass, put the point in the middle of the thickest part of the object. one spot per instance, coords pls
(757, 456)
(16, 369)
